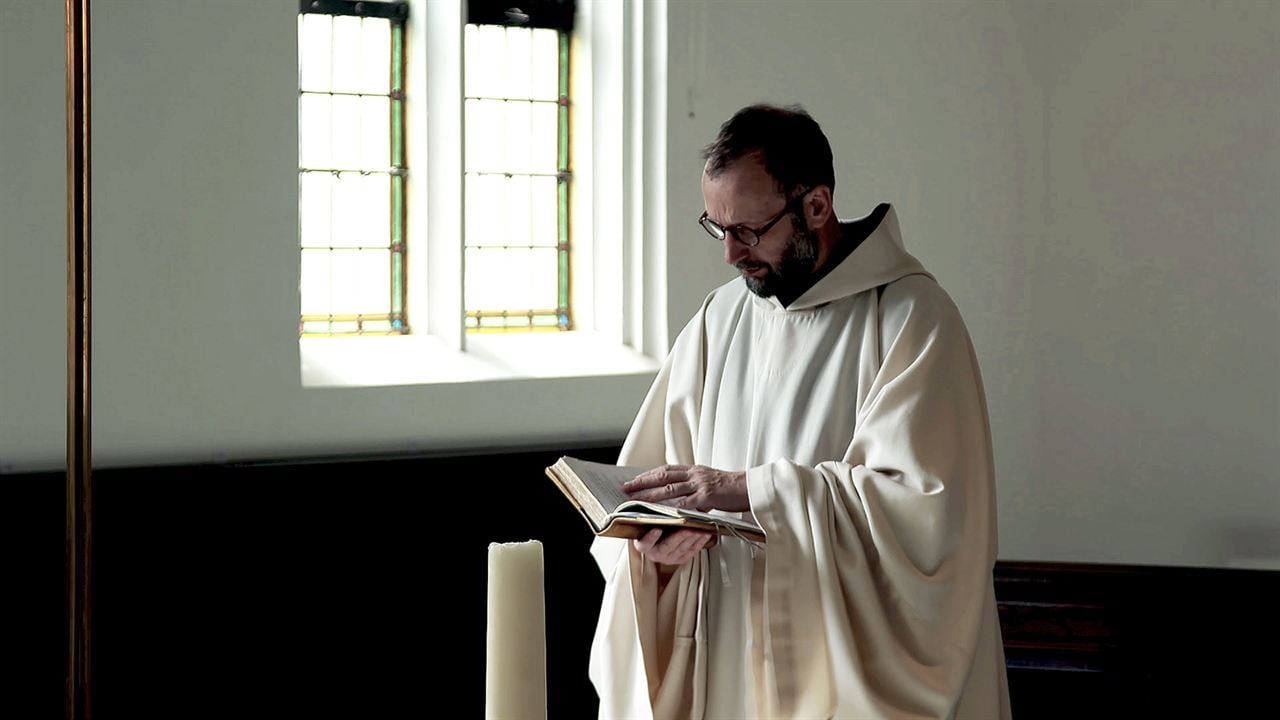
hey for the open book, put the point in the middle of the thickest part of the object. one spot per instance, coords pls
(596, 490)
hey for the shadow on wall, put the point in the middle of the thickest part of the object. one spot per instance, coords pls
(1248, 546)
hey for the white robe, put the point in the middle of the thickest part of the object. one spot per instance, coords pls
(860, 418)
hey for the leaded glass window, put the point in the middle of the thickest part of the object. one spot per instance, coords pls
(517, 175)
(351, 167)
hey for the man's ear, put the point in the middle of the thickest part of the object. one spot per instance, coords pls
(817, 207)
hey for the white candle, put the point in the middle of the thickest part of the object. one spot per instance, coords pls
(516, 652)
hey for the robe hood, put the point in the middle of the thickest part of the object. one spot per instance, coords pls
(879, 260)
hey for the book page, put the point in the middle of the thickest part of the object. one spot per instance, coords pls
(605, 484)
(639, 506)
(604, 481)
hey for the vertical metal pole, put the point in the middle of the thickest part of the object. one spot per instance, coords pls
(79, 462)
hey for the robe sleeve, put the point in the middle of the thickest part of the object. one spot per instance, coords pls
(645, 659)
(878, 563)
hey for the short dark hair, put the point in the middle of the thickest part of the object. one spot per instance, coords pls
(791, 146)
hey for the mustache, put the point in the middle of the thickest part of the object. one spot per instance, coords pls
(746, 266)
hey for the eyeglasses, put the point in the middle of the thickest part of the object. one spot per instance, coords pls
(747, 235)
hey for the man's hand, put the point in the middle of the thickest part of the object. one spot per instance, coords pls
(676, 547)
(695, 487)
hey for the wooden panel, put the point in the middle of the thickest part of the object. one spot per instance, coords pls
(336, 586)
(1122, 640)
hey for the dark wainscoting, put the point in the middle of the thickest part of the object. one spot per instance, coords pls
(1124, 641)
(356, 587)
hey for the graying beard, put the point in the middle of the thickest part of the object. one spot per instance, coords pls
(803, 250)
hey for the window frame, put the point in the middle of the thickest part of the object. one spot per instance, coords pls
(619, 260)
(397, 15)
(561, 313)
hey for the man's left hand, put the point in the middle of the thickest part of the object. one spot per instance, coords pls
(696, 487)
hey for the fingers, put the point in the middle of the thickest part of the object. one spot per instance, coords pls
(694, 543)
(657, 477)
(644, 545)
(667, 492)
(675, 548)
(689, 547)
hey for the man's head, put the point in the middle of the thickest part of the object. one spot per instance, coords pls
(768, 182)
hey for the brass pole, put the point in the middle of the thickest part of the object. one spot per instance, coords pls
(79, 462)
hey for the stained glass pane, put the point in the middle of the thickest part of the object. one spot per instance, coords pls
(397, 133)
(397, 282)
(564, 106)
(397, 57)
(543, 121)
(517, 137)
(397, 211)
(490, 62)
(563, 281)
(316, 282)
(497, 279)
(472, 80)
(347, 54)
(484, 220)
(563, 142)
(544, 62)
(517, 211)
(361, 282)
(516, 280)
(375, 200)
(516, 229)
(375, 133)
(314, 131)
(361, 210)
(376, 56)
(353, 210)
(518, 65)
(314, 209)
(543, 211)
(375, 282)
(314, 35)
(483, 287)
(343, 326)
(543, 278)
(348, 134)
(485, 144)
(564, 65)
(562, 211)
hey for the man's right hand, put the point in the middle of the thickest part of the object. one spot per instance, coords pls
(676, 547)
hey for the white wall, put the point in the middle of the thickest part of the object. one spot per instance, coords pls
(1095, 184)
(1157, 287)
(195, 260)
(1097, 187)
(931, 106)
(33, 254)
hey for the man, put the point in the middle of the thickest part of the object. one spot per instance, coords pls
(834, 395)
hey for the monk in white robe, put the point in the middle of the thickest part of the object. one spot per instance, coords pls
(833, 394)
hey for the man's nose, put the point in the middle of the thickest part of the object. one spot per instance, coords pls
(734, 251)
